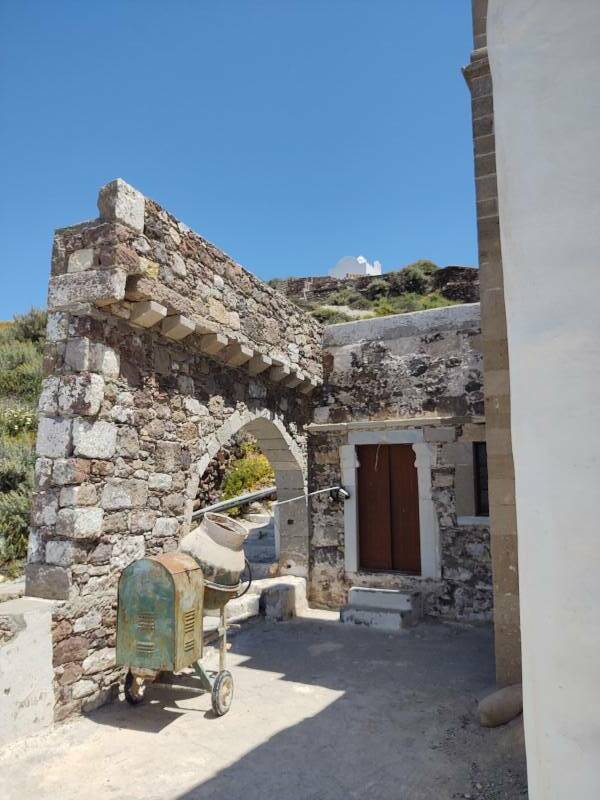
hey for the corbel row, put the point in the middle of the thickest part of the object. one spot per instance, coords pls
(220, 346)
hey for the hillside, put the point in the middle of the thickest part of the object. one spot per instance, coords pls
(416, 287)
(21, 346)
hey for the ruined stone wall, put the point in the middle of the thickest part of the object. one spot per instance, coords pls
(159, 350)
(418, 371)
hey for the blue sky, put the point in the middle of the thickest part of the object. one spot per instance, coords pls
(288, 132)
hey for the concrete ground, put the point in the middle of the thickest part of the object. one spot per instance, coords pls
(322, 711)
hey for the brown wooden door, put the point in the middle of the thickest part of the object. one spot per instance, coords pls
(388, 509)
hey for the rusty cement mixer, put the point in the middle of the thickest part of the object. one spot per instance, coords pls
(164, 602)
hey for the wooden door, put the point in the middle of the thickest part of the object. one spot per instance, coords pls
(388, 509)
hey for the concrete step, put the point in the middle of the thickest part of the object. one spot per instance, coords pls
(277, 598)
(258, 519)
(388, 610)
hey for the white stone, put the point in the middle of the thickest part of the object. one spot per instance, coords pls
(104, 360)
(59, 552)
(194, 407)
(177, 327)
(45, 508)
(84, 494)
(88, 622)
(121, 202)
(54, 437)
(147, 313)
(99, 660)
(81, 260)
(77, 354)
(126, 550)
(35, 547)
(57, 327)
(165, 526)
(79, 523)
(81, 394)
(118, 494)
(94, 439)
(48, 402)
(83, 688)
(101, 287)
(178, 265)
(160, 481)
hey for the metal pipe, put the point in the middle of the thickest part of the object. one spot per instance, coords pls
(240, 500)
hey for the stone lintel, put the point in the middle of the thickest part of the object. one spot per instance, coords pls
(236, 354)
(279, 373)
(147, 313)
(213, 342)
(177, 327)
(259, 363)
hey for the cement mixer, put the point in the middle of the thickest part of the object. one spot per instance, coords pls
(164, 602)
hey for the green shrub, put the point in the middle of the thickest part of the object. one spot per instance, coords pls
(247, 474)
(14, 524)
(377, 288)
(30, 327)
(17, 460)
(20, 370)
(328, 316)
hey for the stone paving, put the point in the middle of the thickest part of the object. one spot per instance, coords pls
(321, 711)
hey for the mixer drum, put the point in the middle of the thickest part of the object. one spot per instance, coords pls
(217, 545)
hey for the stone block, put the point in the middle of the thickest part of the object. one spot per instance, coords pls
(213, 342)
(178, 265)
(44, 508)
(431, 434)
(82, 495)
(126, 550)
(79, 523)
(80, 394)
(53, 437)
(81, 260)
(147, 313)
(501, 706)
(94, 439)
(77, 354)
(160, 481)
(50, 582)
(295, 379)
(258, 363)
(57, 327)
(279, 373)
(83, 688)
(36, 548)
(118, 494)
(48, 402)
(70, 470)
(168, 456)
(75, 648)
(128, 442)
(236, 354)
(104, 360)
(101, 287)
(309, 385)
(284, 598)
(141, 521)
(99, 660)
(165, 527)
(177, 327)
(120, 202)
(60, 552)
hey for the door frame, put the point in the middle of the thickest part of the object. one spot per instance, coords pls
(425, 459)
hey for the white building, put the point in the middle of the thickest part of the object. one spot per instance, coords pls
(350, 266)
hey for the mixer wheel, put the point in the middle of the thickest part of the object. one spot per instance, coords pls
(134, 689)
(222, 693)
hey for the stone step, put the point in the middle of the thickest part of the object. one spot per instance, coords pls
(388, 610)
(263, 569)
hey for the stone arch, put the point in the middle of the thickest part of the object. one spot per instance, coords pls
(159, 348)
(289, 464)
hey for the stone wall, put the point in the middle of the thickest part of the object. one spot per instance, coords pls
(495, 360)
(412, 373)
(455, 283)
(159, 350)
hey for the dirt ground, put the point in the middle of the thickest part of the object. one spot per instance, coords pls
(322, 711)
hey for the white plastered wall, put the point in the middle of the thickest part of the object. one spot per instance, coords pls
(425, 459)
(545, 62)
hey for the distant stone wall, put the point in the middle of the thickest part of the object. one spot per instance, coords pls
(455, 283)
(159, 350)
(414, 372)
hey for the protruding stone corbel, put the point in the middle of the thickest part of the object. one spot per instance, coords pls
(236, 354)
(296, 378)
(258, 363)
(147, 313)
(308, 386)
(178, 327)
(280, 372)
(213, 343)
